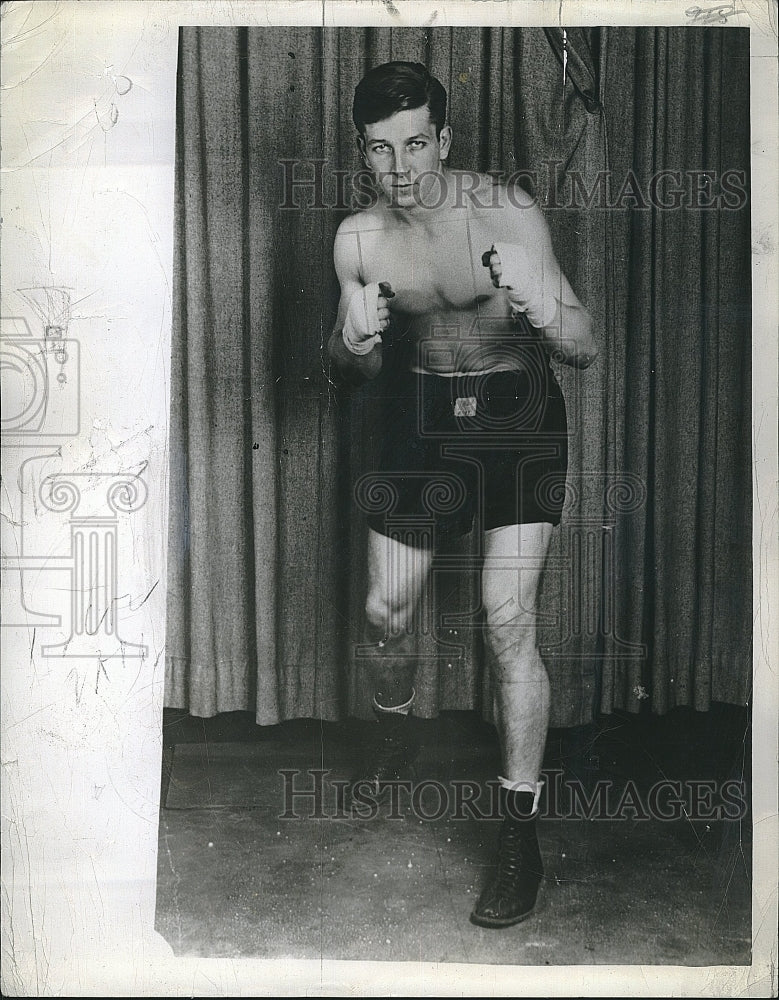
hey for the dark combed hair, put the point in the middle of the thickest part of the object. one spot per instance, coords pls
(397, 86)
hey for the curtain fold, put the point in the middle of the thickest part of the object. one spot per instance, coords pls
(684, 416)
(575, 51)
(647, 593)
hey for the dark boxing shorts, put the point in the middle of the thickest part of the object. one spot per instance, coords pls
(483, 450)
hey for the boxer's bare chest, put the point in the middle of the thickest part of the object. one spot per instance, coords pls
(435, 269)
(444, 299)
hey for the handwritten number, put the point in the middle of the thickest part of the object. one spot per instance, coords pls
(711, 15)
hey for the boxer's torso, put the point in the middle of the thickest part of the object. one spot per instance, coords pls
(444, 303)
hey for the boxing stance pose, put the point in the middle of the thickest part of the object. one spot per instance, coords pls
(459, 272)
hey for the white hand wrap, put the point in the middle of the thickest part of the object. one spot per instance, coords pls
(533, 287)
(361, 328)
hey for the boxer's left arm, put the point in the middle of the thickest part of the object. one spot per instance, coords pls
(536, 286)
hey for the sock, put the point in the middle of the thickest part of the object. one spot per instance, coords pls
(403, 709)
(525, 788)
(391, 665)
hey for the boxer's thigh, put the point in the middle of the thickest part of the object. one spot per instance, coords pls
(514, 557)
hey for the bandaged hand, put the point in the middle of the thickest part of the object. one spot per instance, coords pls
(367, 317)
(532, 286)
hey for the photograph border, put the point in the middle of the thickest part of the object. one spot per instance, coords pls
(78, 911)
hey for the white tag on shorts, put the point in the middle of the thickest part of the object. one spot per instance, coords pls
(465, 406)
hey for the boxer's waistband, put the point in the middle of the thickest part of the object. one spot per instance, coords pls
(488, 371)
(494, 375)
(498, 382)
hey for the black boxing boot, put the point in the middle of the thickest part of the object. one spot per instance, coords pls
(510, 896)
(392, 748)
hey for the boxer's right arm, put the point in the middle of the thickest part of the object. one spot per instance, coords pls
(353, 346)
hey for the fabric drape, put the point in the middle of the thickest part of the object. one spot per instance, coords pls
(647, 591)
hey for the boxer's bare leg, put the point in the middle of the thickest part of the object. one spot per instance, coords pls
(396, 576)
(514, 558)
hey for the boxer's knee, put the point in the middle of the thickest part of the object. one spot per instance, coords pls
(377, 612)
(511, 637)
(508, 624)
(384, 616)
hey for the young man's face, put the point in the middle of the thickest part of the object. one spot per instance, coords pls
(404, 153)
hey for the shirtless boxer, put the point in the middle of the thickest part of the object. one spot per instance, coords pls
(462, 277)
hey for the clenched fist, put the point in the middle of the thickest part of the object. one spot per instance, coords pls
(367, 317)
(532, 288)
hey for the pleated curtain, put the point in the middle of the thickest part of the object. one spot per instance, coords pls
(646, 599)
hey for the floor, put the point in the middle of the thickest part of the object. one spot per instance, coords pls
(240, 876)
